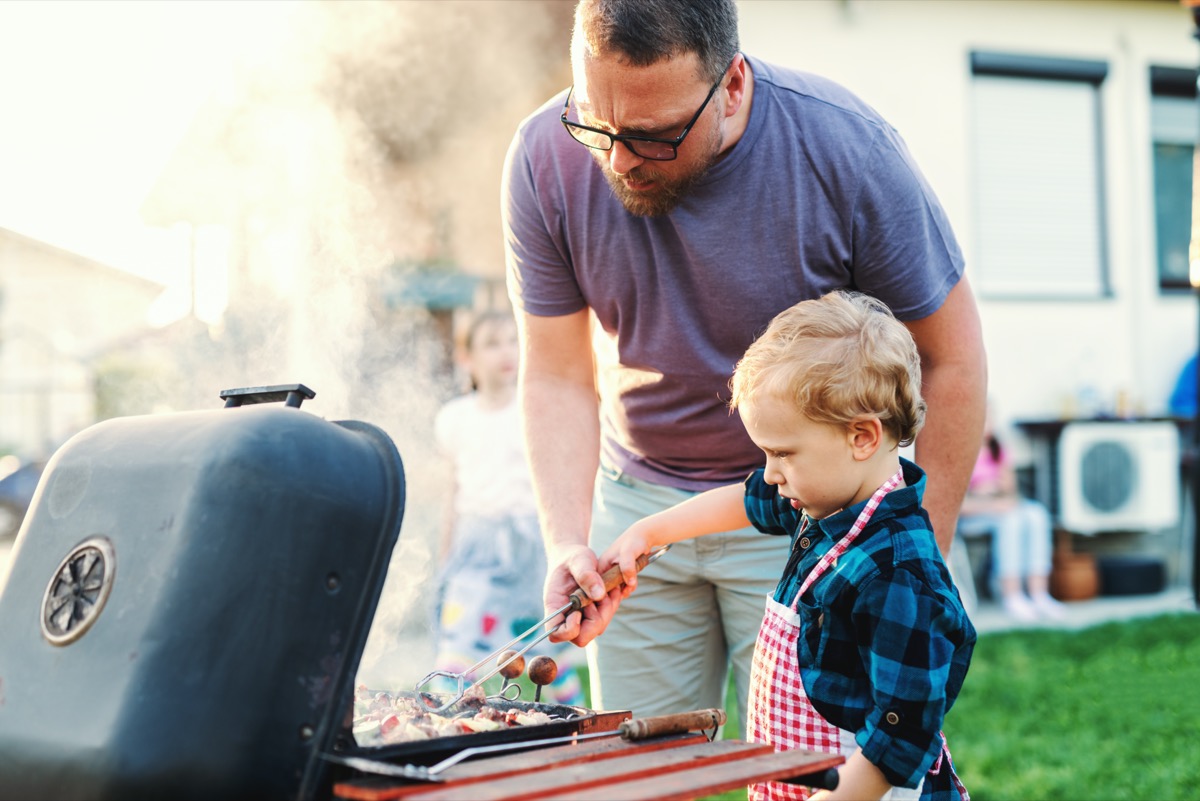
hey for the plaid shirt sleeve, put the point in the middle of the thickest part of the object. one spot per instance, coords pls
(766, 510)
(891, 654)
(910, 637)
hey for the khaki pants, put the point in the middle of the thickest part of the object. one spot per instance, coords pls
(695, 614)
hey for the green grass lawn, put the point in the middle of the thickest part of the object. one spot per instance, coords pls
(1109, 712)
(1105, 713)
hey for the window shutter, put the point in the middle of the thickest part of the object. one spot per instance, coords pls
(1038, 184)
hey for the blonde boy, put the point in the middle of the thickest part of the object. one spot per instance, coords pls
(865, 644)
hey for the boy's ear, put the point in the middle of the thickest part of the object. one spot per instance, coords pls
(866, 436)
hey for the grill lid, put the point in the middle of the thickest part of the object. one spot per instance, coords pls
(188, 602)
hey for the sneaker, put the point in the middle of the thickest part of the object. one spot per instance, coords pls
(1048, 607)
(1020, 608)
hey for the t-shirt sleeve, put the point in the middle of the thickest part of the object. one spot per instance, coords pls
(538, 272)
(905, 251)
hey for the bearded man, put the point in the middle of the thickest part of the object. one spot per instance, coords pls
(658, 214)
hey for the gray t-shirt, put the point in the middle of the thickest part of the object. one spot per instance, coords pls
(819, 194)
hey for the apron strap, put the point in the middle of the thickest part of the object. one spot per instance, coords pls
(944, 755)
(846, 541)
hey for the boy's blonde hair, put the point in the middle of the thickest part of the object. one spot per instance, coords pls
(838, 358)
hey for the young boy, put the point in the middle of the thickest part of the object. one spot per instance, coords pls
(865, 644)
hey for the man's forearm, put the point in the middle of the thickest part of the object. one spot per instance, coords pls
(954, 383)
(562, 433)
(948, 446)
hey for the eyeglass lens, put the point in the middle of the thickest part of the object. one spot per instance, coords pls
(602, 141)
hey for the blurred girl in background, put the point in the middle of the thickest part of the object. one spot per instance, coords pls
(492, 559)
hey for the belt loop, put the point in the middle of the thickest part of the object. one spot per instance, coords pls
(610, 472)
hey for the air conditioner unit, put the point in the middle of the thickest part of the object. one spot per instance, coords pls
(1118, 476)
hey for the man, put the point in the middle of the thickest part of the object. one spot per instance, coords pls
(657, 216)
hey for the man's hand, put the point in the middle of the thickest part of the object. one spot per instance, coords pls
(575, 567)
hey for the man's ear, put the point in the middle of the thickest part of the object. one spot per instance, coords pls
(866, 437)
(736, 88)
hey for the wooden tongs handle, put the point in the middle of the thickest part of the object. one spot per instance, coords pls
(612, 579)
(679, 723)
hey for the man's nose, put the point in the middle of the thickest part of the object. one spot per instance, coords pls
(622, 159)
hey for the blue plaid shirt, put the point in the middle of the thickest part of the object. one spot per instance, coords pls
(884, 640)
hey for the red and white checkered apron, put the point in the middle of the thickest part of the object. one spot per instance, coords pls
(779, 712)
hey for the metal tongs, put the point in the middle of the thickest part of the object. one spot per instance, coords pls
(576, 601)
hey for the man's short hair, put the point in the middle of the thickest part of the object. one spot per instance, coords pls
(645, 32)
(838, 358)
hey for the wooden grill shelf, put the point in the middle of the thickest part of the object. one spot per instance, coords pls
(682, 766)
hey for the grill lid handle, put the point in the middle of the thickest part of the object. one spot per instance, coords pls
(290, 394)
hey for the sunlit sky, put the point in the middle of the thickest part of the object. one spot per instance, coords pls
(94, 96)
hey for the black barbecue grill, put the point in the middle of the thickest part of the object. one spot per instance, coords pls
(188, 600)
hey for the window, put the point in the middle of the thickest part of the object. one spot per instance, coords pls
(1173, 131)
(1038, 179)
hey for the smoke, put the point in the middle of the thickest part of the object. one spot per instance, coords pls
(370, 137)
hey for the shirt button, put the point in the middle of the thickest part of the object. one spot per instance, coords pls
(892, 718)
(804, 543)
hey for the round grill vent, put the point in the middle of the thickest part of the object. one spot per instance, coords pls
(1109, 475)
(77, 591)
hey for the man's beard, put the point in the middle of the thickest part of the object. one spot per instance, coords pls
(667, 193)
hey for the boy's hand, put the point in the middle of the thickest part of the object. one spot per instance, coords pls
(625, 551)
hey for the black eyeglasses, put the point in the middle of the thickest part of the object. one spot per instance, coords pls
(648, 147)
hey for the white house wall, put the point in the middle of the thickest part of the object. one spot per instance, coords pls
(58, 311)
(910, 60)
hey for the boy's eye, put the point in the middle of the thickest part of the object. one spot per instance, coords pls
(779, 454)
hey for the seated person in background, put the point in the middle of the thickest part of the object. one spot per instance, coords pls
(1020, 528)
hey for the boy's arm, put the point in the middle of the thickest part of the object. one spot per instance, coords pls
(858, 779)
(720, 509)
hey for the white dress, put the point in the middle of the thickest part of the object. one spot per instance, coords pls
(490, 588)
